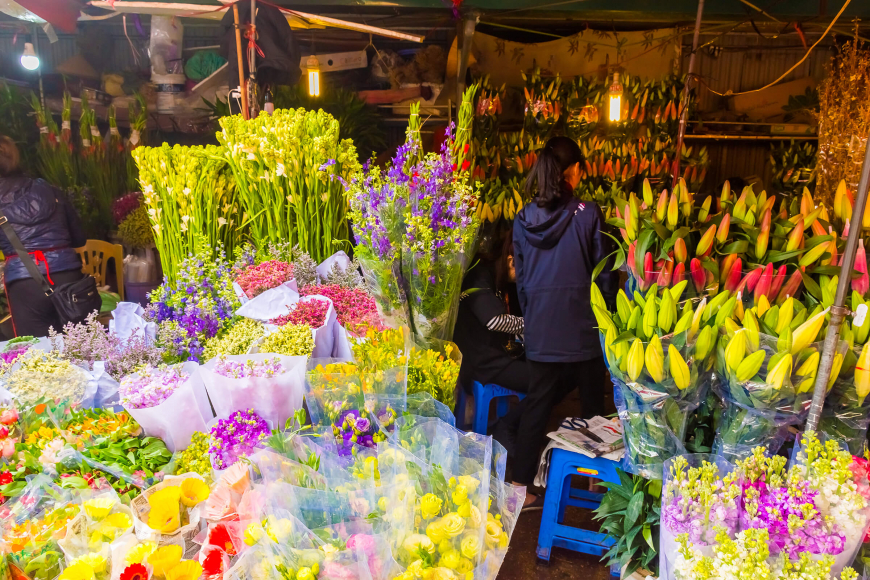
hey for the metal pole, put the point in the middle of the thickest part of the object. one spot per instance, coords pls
(463, 44)
(241, 62)
(684, 113)
(39, 68)
(838, 312)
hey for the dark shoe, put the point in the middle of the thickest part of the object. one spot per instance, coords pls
(535, 506)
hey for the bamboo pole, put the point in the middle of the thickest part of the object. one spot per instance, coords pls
(241, 62)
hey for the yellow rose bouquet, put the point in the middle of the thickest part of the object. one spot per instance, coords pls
(465, 513)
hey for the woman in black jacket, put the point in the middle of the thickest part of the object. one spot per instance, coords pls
(558, 241)
(486, 332)
(49, 228)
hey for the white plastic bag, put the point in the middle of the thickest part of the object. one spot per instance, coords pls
(184, 412)
(325, 266)
(275, 399)
(341, 348)
(127, 320)
(270, 304)
(107, 395)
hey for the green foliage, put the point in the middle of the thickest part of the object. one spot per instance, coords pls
(630, 513)
(135, 230)
(701, 429)
(14, 108)
(356, 119)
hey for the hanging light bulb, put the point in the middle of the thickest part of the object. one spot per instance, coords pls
(615, 93)
(313, 66)
(29, 60)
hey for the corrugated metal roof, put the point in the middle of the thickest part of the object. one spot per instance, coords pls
(747, 62)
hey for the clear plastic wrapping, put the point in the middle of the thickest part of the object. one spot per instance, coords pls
(384, 281)
(846, 414)
(653, 427)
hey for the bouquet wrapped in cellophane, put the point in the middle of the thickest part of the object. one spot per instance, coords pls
(660, 357)
(415, 228)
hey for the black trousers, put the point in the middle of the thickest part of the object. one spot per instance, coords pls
(549, 384)
(32, 311)
(515, 376)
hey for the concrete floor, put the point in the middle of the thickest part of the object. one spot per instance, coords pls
(521, 562)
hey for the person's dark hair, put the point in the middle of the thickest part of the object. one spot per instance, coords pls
(502, 271)
(9, 157)
(545, 182)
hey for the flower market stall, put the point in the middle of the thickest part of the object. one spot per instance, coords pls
(176, 444)
(282, 406)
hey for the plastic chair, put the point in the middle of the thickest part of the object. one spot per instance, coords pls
(560, 495)
(95, 254)
(483, 395)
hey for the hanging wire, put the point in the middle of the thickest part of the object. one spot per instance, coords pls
(133, 48)
(372, 44)
(730, 93)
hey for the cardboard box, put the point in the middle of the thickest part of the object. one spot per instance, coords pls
(769, 102)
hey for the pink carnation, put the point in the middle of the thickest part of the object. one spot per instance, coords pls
(255, 280)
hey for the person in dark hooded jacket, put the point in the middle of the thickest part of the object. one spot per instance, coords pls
(49, 228)
(558, 241)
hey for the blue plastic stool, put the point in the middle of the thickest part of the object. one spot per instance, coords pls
(560, 494)
(483, 395)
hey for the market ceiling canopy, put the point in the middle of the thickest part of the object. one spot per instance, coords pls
(631, 10)
(215, 11)
(60, 13)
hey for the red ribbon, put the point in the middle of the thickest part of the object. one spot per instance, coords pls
(38, 257)
(251, 35)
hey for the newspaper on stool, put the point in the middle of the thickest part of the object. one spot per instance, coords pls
(595, 437)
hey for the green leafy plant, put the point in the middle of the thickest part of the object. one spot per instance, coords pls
(701, 428)
(15, 124)
(630, 513)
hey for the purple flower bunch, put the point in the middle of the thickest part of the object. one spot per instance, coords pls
(697, 500)
(150, 386)
(354, 427)
(9, 356)
(249, 368)
(254, 280)
(201, 300)
(235, 437)
(378, 199)
(790, 515)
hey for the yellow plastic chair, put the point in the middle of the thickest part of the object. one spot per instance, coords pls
(95, 254)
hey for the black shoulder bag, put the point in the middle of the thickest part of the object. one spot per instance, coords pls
(73, 302)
